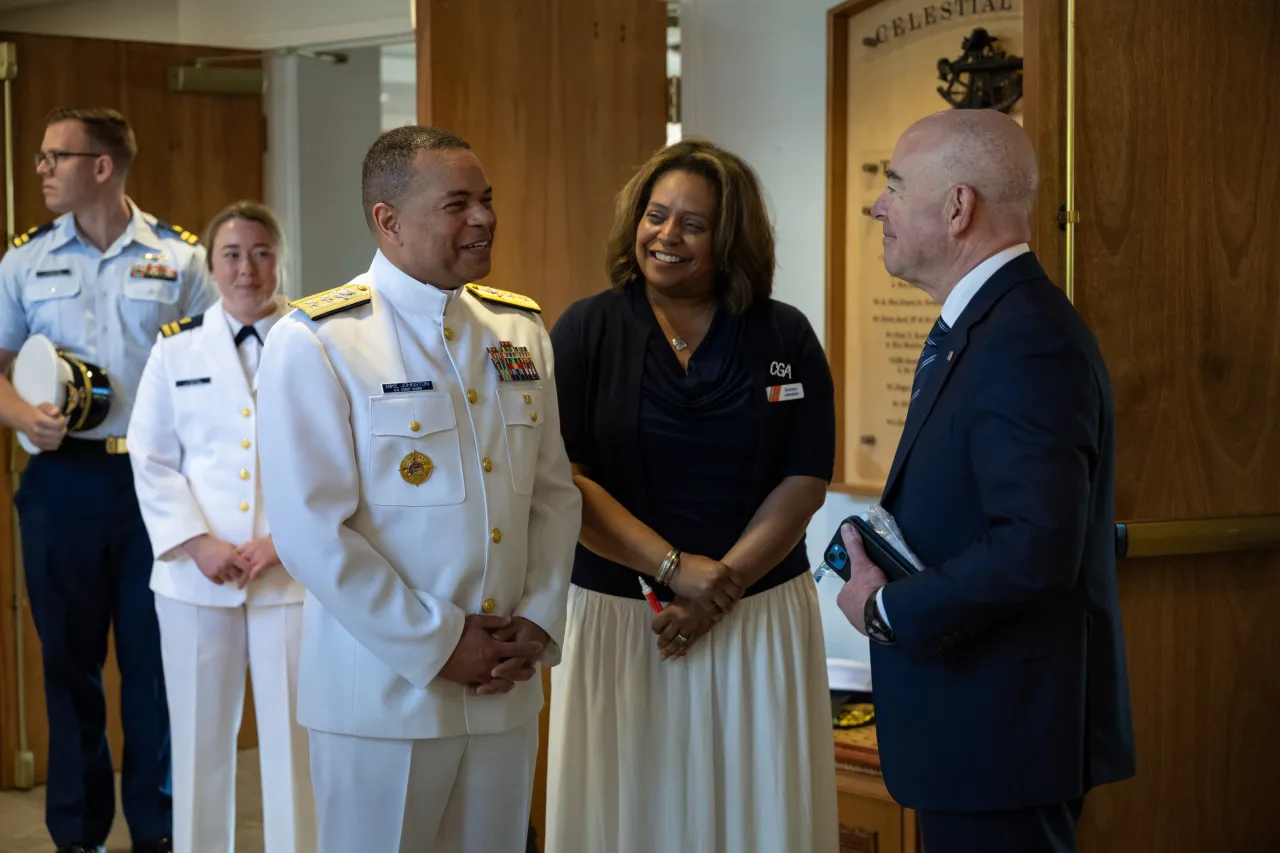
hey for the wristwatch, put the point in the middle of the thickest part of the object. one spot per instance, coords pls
(877, 628)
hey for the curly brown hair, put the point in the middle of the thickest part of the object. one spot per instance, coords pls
(742, 236)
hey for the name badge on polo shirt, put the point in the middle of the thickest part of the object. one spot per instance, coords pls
(782, 393)
(402, 387)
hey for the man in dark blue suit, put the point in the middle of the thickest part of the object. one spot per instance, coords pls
(999, 670)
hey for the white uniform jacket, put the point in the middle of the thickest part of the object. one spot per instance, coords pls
(408, 484)
(192, 445)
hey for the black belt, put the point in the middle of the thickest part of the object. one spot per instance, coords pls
(113, 445)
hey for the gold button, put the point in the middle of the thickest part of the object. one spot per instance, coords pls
(245, 411)
(414, 426)
(245, 443)
(489, 605)
(362, 287)
(533, 417)
(528, 398)
(448, 333)
(486, 464)
(244, 507)
(471, 395)
(497, 536)
(244, 475)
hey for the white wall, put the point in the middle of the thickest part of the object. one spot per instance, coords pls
(288, 23)
(139, 20)
(338, 243)
(250, 24)
(754, 79)
(313, 174)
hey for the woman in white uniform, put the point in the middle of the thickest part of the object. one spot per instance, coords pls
(223, 599)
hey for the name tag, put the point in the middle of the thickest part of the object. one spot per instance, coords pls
(153, 271)
(401, 387)
(202, 380)
(782, 393)
(47, 273)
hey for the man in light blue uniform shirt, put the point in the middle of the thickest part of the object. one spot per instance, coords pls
(100, 281)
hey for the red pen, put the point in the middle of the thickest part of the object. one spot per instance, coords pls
(654, 604)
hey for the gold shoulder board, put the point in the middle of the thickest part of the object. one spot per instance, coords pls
(24, 238)
(178, 231)
(171, 329)
(504, 297)
(332, 301)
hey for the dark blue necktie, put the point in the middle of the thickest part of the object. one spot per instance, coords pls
(246, 332)
(928, 355)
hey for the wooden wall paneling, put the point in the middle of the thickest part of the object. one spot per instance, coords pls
(1177, 274)
(1177, 257)
(1044, 104)
(1201, 638)
(196, 153)
(8, 617)
(561, 102)
(838, 205)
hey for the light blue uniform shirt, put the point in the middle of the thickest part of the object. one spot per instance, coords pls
(105, 307)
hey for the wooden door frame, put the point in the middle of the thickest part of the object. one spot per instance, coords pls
(835, 336)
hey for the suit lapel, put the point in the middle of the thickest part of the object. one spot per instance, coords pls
(1019, 269)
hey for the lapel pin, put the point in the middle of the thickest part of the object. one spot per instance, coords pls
(949, 354)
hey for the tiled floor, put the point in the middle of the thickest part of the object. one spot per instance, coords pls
(22, 816)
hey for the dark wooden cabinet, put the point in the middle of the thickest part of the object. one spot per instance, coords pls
(870, 820)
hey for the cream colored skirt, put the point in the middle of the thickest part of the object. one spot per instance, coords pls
(727, 750)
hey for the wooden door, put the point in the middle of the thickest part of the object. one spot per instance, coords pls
(561, 102)
(196, 152)
(1177, 271)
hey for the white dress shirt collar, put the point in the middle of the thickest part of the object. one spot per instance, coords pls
(407, 293)
(262, 326)
(250, 351)
(964, 291)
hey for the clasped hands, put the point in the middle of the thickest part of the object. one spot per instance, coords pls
(222, 562)
(706, 590)
(494, 652)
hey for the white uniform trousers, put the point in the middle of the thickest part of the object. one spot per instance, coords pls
(465, 794)
(205, 652)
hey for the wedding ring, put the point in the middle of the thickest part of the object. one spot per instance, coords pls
(684, 641)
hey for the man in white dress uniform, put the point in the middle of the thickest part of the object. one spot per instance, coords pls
(418, 487)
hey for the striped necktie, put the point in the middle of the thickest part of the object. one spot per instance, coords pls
(928, 355)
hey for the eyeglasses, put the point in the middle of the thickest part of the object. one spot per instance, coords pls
(50, 158)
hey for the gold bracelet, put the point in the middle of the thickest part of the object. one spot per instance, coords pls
(668, 568)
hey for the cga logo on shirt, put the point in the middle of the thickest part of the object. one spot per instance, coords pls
(777, 368)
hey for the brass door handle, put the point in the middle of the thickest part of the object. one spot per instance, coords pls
(1197, 536)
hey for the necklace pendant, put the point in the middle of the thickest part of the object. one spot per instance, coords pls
(679, 343)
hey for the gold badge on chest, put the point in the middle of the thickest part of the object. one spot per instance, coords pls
(416, 468)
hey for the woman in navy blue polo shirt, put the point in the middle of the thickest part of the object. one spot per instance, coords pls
(698, 414)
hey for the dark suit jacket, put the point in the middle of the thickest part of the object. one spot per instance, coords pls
(1007, 686)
